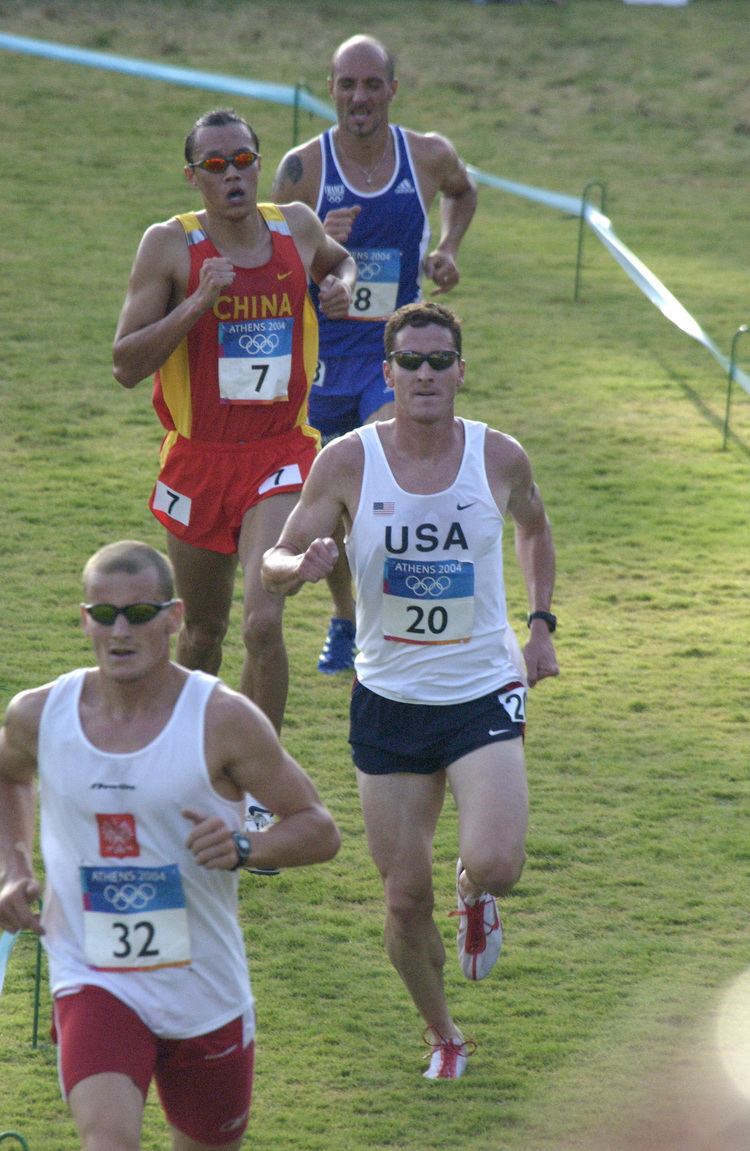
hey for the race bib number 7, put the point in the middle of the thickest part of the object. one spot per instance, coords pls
(255, 361)
(134, 918)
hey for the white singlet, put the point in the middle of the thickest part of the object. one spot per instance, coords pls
(126, 907)
(431, 617)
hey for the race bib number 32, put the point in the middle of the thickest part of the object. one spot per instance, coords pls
(134, 918)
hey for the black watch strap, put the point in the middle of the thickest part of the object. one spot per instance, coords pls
(547, 616)
(242, 843)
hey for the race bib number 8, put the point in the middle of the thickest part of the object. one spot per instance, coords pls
(134, 918)
(428, 603)
(255, 361)
(376, 291)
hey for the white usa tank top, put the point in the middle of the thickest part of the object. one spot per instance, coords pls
(431, 616)
(126, 907)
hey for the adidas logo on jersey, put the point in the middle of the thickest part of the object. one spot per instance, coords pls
(335, 193)
(405, 188)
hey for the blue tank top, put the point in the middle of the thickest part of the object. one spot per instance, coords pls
(388, 240)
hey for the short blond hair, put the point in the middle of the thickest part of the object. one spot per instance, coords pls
(131, 557)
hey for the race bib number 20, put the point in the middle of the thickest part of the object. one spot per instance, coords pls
(428, 602)
(134, 918)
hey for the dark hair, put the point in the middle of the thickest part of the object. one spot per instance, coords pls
(216, 119)
(131, 557)
(419, 315)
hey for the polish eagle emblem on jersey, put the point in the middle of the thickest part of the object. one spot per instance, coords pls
(117, 836)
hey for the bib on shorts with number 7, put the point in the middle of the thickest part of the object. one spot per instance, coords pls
(428, 602)
(134, 918)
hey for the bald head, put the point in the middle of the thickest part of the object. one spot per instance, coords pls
(361, 47)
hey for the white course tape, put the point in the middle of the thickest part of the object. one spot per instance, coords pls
(669, 306)
(7, 943)
(254, 89)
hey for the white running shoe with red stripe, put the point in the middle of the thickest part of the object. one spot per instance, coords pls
(479, 939)
(448, 1058)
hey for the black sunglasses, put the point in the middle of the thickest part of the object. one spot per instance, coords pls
(135, 613)
(217, 165)
(438, 361)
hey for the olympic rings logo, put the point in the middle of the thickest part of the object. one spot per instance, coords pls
(428, 585)
(369, 271)
(129, 897)
(259, 344)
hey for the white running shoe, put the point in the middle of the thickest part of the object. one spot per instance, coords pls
(448, 1058)
(479, 939)
(258, 818)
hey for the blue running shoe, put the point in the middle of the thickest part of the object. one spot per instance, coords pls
(338, 650)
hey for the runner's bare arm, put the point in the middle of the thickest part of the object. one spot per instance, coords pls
(305, 551)
(18, 743)
(156, 315)
(442, 171)
(243, 751)
(536, 557)
(326, 261)
(298, 175)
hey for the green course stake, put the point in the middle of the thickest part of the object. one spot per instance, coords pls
(581, 222)
(730, 380)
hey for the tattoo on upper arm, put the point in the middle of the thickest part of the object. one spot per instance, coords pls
(293, 169)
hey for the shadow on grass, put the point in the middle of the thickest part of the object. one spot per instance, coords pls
(713, 417)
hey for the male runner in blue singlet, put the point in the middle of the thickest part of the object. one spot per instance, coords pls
(372, 184)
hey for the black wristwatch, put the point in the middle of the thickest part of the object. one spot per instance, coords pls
(244, 849)
(547, 616)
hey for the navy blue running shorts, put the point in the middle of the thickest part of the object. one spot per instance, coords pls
(346, 391)
(387, 736)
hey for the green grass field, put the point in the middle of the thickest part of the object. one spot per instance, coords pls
(632, 912)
